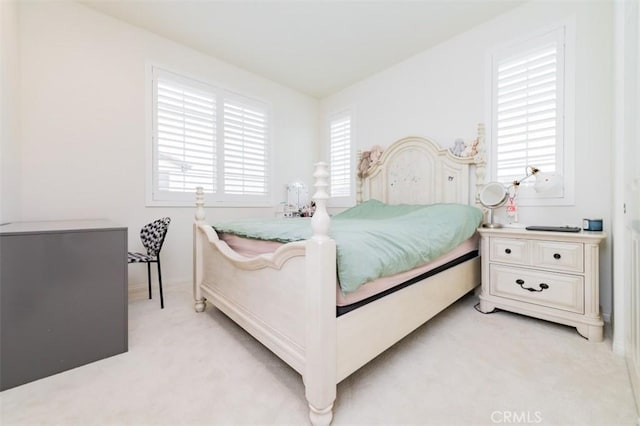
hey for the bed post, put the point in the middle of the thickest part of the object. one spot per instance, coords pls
(359, 180)
(320, 289)
(481, 163)
(197, 251)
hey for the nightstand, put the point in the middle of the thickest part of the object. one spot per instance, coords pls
(548, 275)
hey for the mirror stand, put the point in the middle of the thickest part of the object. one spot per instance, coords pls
(491, 224)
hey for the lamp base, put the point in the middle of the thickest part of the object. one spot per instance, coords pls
(492, 225)
(514, 225)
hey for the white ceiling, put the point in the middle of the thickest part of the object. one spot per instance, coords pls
(316, 47)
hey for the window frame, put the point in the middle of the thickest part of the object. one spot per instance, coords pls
(565, 155)
(219, 198)
(346, 200)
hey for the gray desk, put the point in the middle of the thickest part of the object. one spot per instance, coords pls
(63, 297)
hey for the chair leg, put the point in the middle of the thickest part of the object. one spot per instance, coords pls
(160, 283)
(149, 277)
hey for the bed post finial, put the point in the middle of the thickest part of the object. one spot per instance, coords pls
(321, 220)
(200, 215)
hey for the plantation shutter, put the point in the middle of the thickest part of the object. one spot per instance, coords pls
(340, 163)
(185, 135)
(528, 107)
(208, 137)
(245, 156)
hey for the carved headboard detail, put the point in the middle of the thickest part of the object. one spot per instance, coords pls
(416, 170)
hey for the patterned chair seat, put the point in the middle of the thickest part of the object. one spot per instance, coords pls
(140, 258)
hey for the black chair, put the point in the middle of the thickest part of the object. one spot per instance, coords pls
(152, 236)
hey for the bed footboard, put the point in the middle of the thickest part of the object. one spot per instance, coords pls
(285, 299)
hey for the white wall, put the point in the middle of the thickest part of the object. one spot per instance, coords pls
(83, 118)
(440, 93)
(84, 121)
(9, 143)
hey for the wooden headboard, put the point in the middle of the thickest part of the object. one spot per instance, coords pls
(416, 170)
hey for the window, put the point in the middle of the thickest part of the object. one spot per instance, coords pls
(529, 112)
(340, 154)
(245, 148)
(184, 136)
(205, 136)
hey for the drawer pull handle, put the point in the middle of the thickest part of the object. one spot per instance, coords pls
(557, 256)
(543, 286)
(508, 251)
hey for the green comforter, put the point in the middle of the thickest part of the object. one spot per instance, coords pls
(375, 239)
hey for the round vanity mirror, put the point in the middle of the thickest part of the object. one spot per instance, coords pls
(492, 196)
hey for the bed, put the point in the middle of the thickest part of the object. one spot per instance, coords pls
(287, 298)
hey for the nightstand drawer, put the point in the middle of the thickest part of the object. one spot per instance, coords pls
(509, 250)
(558, 291)
(561, 256)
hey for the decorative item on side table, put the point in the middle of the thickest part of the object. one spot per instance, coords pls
(297, 200)
(494, 194)
(592, 224)
(547, 275)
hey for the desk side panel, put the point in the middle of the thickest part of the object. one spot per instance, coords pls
(63, 299)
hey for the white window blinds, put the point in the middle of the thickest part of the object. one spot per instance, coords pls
(245, 148)
(185, 136)
(528, 107)
(205, 136)
(340, 155)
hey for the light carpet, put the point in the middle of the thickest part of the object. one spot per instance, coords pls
(461, 368)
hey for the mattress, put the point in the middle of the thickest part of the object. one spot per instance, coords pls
(469, 248)
(374, 239)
